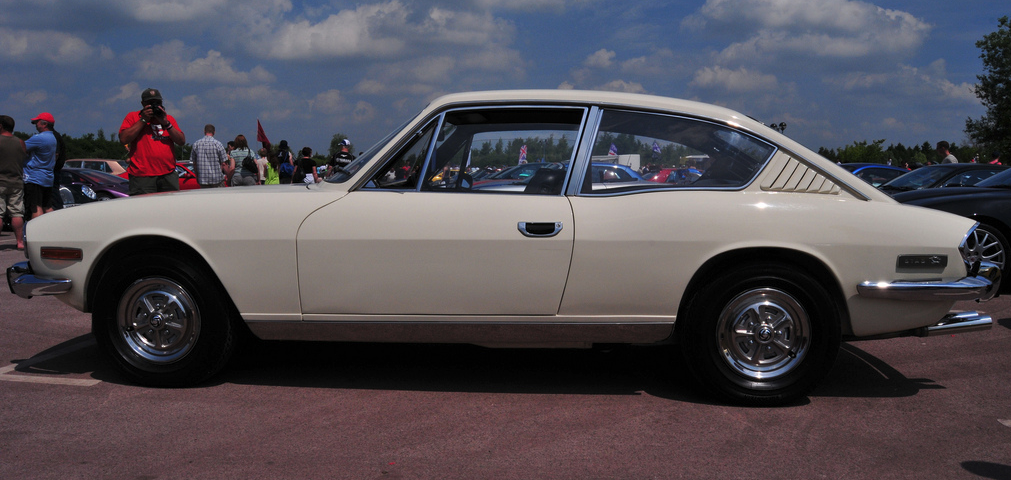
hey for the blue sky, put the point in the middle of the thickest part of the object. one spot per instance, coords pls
(836, 71)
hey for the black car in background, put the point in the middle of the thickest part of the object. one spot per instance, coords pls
(105, 186)
(943, 175)
(988, 202)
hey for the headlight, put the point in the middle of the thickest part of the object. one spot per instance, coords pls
(88, 192)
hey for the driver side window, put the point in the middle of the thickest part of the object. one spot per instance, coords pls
(404, 169)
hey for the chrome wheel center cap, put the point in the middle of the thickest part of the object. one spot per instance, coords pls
(765, 333)
(156, 321)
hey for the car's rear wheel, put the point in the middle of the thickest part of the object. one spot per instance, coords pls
(162, 321)
(763, 334)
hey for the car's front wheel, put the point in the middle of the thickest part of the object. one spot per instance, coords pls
(988, 244)
(762, 335)
(162, 321)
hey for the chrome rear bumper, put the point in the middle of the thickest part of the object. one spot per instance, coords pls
(982, 287)
(25, 284)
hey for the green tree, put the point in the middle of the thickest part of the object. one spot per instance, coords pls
(992, 131)
(863, 152)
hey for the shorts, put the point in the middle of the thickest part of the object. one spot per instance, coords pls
(12, 201)
(37, 196)
(162, 183)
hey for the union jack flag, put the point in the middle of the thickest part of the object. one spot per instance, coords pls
(523, 154)
(656, 150)
(613, 150)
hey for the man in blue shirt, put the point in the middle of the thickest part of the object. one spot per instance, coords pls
(41, 149)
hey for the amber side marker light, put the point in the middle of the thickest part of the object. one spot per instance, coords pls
(60, 253)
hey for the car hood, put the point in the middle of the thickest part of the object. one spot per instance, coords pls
(216, 212)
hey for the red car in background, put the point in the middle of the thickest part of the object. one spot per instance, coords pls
(660, 176)
(187, 179)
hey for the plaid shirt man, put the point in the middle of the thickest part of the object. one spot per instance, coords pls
(208, 155)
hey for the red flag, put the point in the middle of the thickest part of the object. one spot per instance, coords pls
(260, 136)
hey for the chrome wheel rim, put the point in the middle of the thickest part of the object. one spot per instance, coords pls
(764, 334)
(983, 245)
(158, 320)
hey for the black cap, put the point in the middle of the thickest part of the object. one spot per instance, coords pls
(149, 94)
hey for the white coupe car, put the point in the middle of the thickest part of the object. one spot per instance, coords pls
(756, 270)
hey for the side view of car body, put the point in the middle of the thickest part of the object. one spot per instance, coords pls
(755, 271)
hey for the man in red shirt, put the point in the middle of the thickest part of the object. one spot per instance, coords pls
(149, 135)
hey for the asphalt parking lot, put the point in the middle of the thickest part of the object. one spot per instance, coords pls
(936, 407)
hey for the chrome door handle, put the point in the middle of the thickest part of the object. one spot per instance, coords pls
(539, 229)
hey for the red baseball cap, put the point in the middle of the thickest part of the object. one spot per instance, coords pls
(44, 116)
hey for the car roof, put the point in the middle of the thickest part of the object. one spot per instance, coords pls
(853, 167)
(966, 166)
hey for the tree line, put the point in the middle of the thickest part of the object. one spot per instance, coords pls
(899, 154)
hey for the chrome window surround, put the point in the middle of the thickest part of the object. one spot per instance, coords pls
(586, 149)
(440, 119)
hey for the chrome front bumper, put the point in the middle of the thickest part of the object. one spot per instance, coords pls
(25, 284)
(981, 287)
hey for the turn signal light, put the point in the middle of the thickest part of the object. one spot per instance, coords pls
(60, 253)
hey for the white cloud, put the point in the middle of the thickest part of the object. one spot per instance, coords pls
(367, 30)
(464, 28)
(125, 92)
(662, 62)
(328, 102)
(160, 11)
(363, 112)
(736, 81)
(173, 61)
(527, 5)
(622, 86)
(28, 97)
(602, 58)
(52, 46)
(909, 81)
(816, 28)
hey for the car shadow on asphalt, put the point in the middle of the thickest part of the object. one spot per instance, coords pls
(622, 370)
(857, 373)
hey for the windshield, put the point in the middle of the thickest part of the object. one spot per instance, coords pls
(917, 179)
(1001, 180)
(342, 175)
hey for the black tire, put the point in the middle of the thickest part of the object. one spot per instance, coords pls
(761, 335)
(162, 320)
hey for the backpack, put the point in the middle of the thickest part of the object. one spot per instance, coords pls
(285, 168)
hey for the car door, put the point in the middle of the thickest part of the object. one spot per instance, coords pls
(418, 240)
